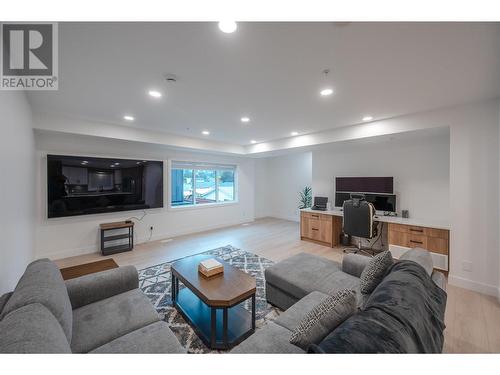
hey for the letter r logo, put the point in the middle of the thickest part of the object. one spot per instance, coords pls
(27, 50)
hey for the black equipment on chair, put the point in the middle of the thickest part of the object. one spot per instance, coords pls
(358, 217)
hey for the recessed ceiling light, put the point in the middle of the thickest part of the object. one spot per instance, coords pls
(112, 165)
(326, 92)
(367, 118)
(294, 133)
(138, 162)
(117, 163)
(205, 132)
(253, 141)
(155, 94)
(245, 119)
(84, 162)
(128, 118)
(228, 27)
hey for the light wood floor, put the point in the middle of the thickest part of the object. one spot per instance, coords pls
(472, 319)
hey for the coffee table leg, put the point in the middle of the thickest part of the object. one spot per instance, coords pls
(253, 312)
(172, 289)
(213, 327)
(224, 326)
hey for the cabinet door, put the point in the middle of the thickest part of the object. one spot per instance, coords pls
(398, 238)
(325, 229)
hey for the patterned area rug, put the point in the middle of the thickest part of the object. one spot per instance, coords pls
(155, 283)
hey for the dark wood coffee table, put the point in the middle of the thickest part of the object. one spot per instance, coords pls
(213, 305)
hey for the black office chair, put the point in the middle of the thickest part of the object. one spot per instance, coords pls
(358, 220)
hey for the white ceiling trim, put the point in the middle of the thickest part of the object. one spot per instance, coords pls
(65, 124)
(445, 117)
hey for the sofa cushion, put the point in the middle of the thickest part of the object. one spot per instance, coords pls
(271, 338)
(32, 329)
(291, 317)
(375, 271)
(152, 339)
(420, 256)
(3, 301)
(303, 273)
(324, 318)
(42, 283)
(404, 314)
(100, 322)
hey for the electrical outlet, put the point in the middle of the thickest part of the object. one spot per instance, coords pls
(467, 266)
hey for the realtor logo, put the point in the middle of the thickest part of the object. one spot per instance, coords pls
(29, 56)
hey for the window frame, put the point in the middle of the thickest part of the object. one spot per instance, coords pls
(198, 165)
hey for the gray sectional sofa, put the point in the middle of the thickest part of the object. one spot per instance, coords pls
(299, 283)
(98, 313)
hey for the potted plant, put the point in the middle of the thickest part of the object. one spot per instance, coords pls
(305, 197)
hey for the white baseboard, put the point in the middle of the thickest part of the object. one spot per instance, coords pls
(285, 217)
(475, 286)
(91, 249)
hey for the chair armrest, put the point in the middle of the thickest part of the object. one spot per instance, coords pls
(439, 279)
(98, 286)
(354, 264)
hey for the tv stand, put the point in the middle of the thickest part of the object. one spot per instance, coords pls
(129, 235)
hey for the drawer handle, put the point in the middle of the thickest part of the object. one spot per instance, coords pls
(417, 230)
(315, 229)
(419, 242)
(315, 216)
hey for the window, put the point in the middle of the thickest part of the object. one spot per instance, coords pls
(198, 184)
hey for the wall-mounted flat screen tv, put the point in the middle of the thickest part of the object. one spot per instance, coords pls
(383, 185)
(81, 185)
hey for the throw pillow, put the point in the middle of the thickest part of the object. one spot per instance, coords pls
(324, 318)
(375, 271)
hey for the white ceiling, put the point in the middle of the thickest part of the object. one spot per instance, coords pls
(270, 72)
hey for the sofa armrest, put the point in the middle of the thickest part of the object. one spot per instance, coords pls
(98, 286)
(439, 279)
(354, 264)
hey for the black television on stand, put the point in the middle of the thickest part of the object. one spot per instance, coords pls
(81, 185)
(377, 190)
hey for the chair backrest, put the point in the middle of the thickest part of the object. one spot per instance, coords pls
(358, 217)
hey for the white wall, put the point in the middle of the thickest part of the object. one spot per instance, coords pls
(62, 237)
(419, 164)
(278, 181)
(17, 189)
(474, 197)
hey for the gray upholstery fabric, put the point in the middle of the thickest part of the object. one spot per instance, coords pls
(354, 264)
(291, 317)
(405, 314)
(420, 256)
(375, 271)
(154, 338)
(98, 286)
(101, 322)
(42, 283)
(3, 301)
(270, 339)
(279, 298)
(324, 318)
(301, 274)
(32, 329)
(439, 279)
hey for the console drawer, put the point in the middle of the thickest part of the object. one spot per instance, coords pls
(417, 240)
